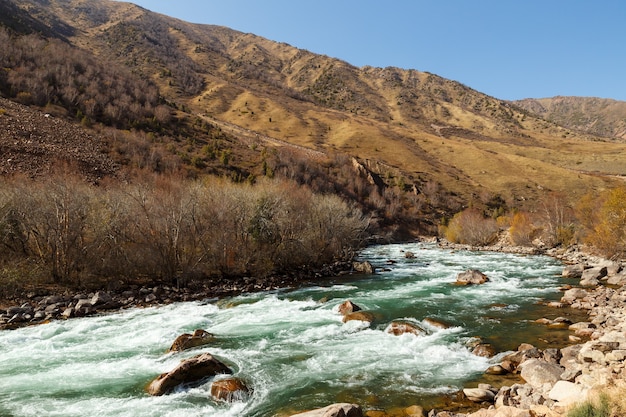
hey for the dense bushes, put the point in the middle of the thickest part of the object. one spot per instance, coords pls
(39, 71)
(170, 229)
(472, 228)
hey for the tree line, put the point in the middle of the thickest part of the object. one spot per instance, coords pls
(597, 220)
(64, 231)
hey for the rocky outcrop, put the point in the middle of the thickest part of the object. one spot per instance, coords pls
(190, 372)
(187, 341)
(334, 410)
(471, 277)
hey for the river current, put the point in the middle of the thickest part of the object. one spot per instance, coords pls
(291, 346)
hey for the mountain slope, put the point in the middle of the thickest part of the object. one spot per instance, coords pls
(597, 116)
(409, 127)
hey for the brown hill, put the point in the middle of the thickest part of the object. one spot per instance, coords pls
(36, 143)
(414, 129)
(596, 116)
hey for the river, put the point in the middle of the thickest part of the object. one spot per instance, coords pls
(290, 346)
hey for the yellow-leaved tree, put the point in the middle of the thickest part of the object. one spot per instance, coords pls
(608, 223)
(472, 228)
(522, 230)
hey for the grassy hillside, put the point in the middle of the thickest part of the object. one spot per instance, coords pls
(421, 134)
(597, 116)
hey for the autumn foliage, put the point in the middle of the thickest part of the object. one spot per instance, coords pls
(472, 228)
(603, 220)
(522, 230)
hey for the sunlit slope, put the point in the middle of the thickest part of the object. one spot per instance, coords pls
(413, 124)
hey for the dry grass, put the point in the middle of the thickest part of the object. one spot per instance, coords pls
(610, 402)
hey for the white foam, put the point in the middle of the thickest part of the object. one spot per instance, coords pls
(281, 343)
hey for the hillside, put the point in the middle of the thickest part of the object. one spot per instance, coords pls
(596, 116)
(418, 133)
(36, 144)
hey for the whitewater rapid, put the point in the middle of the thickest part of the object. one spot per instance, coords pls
(290, 346)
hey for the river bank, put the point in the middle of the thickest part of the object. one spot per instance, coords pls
(555, 380)
(42, 304)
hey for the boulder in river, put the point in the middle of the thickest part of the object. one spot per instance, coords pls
(484, 393)
(364, 267)
(471, 277)
(348, 307)
(439, 324)
(398, 328)
(230, 389)
(192, 371)
(485, 350)
(359, 315)
(187, 341)
(334, 410)
(573, 271)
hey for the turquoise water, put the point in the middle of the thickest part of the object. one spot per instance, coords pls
(290, 346)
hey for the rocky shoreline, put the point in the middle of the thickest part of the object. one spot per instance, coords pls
(552, 380)
(43, 305)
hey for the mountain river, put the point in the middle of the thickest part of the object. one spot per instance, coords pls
(291, 346)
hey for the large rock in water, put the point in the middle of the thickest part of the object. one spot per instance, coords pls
(398, 328)
(188, 341)
(471, 277)
(360, 316)
(230, 389)
(363, 267)
(439, 324)
(480, 394)
(190, 371)
(348, 307)
(334, 410)
(573, 271)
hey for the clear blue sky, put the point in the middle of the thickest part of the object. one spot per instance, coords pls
(509, 49)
